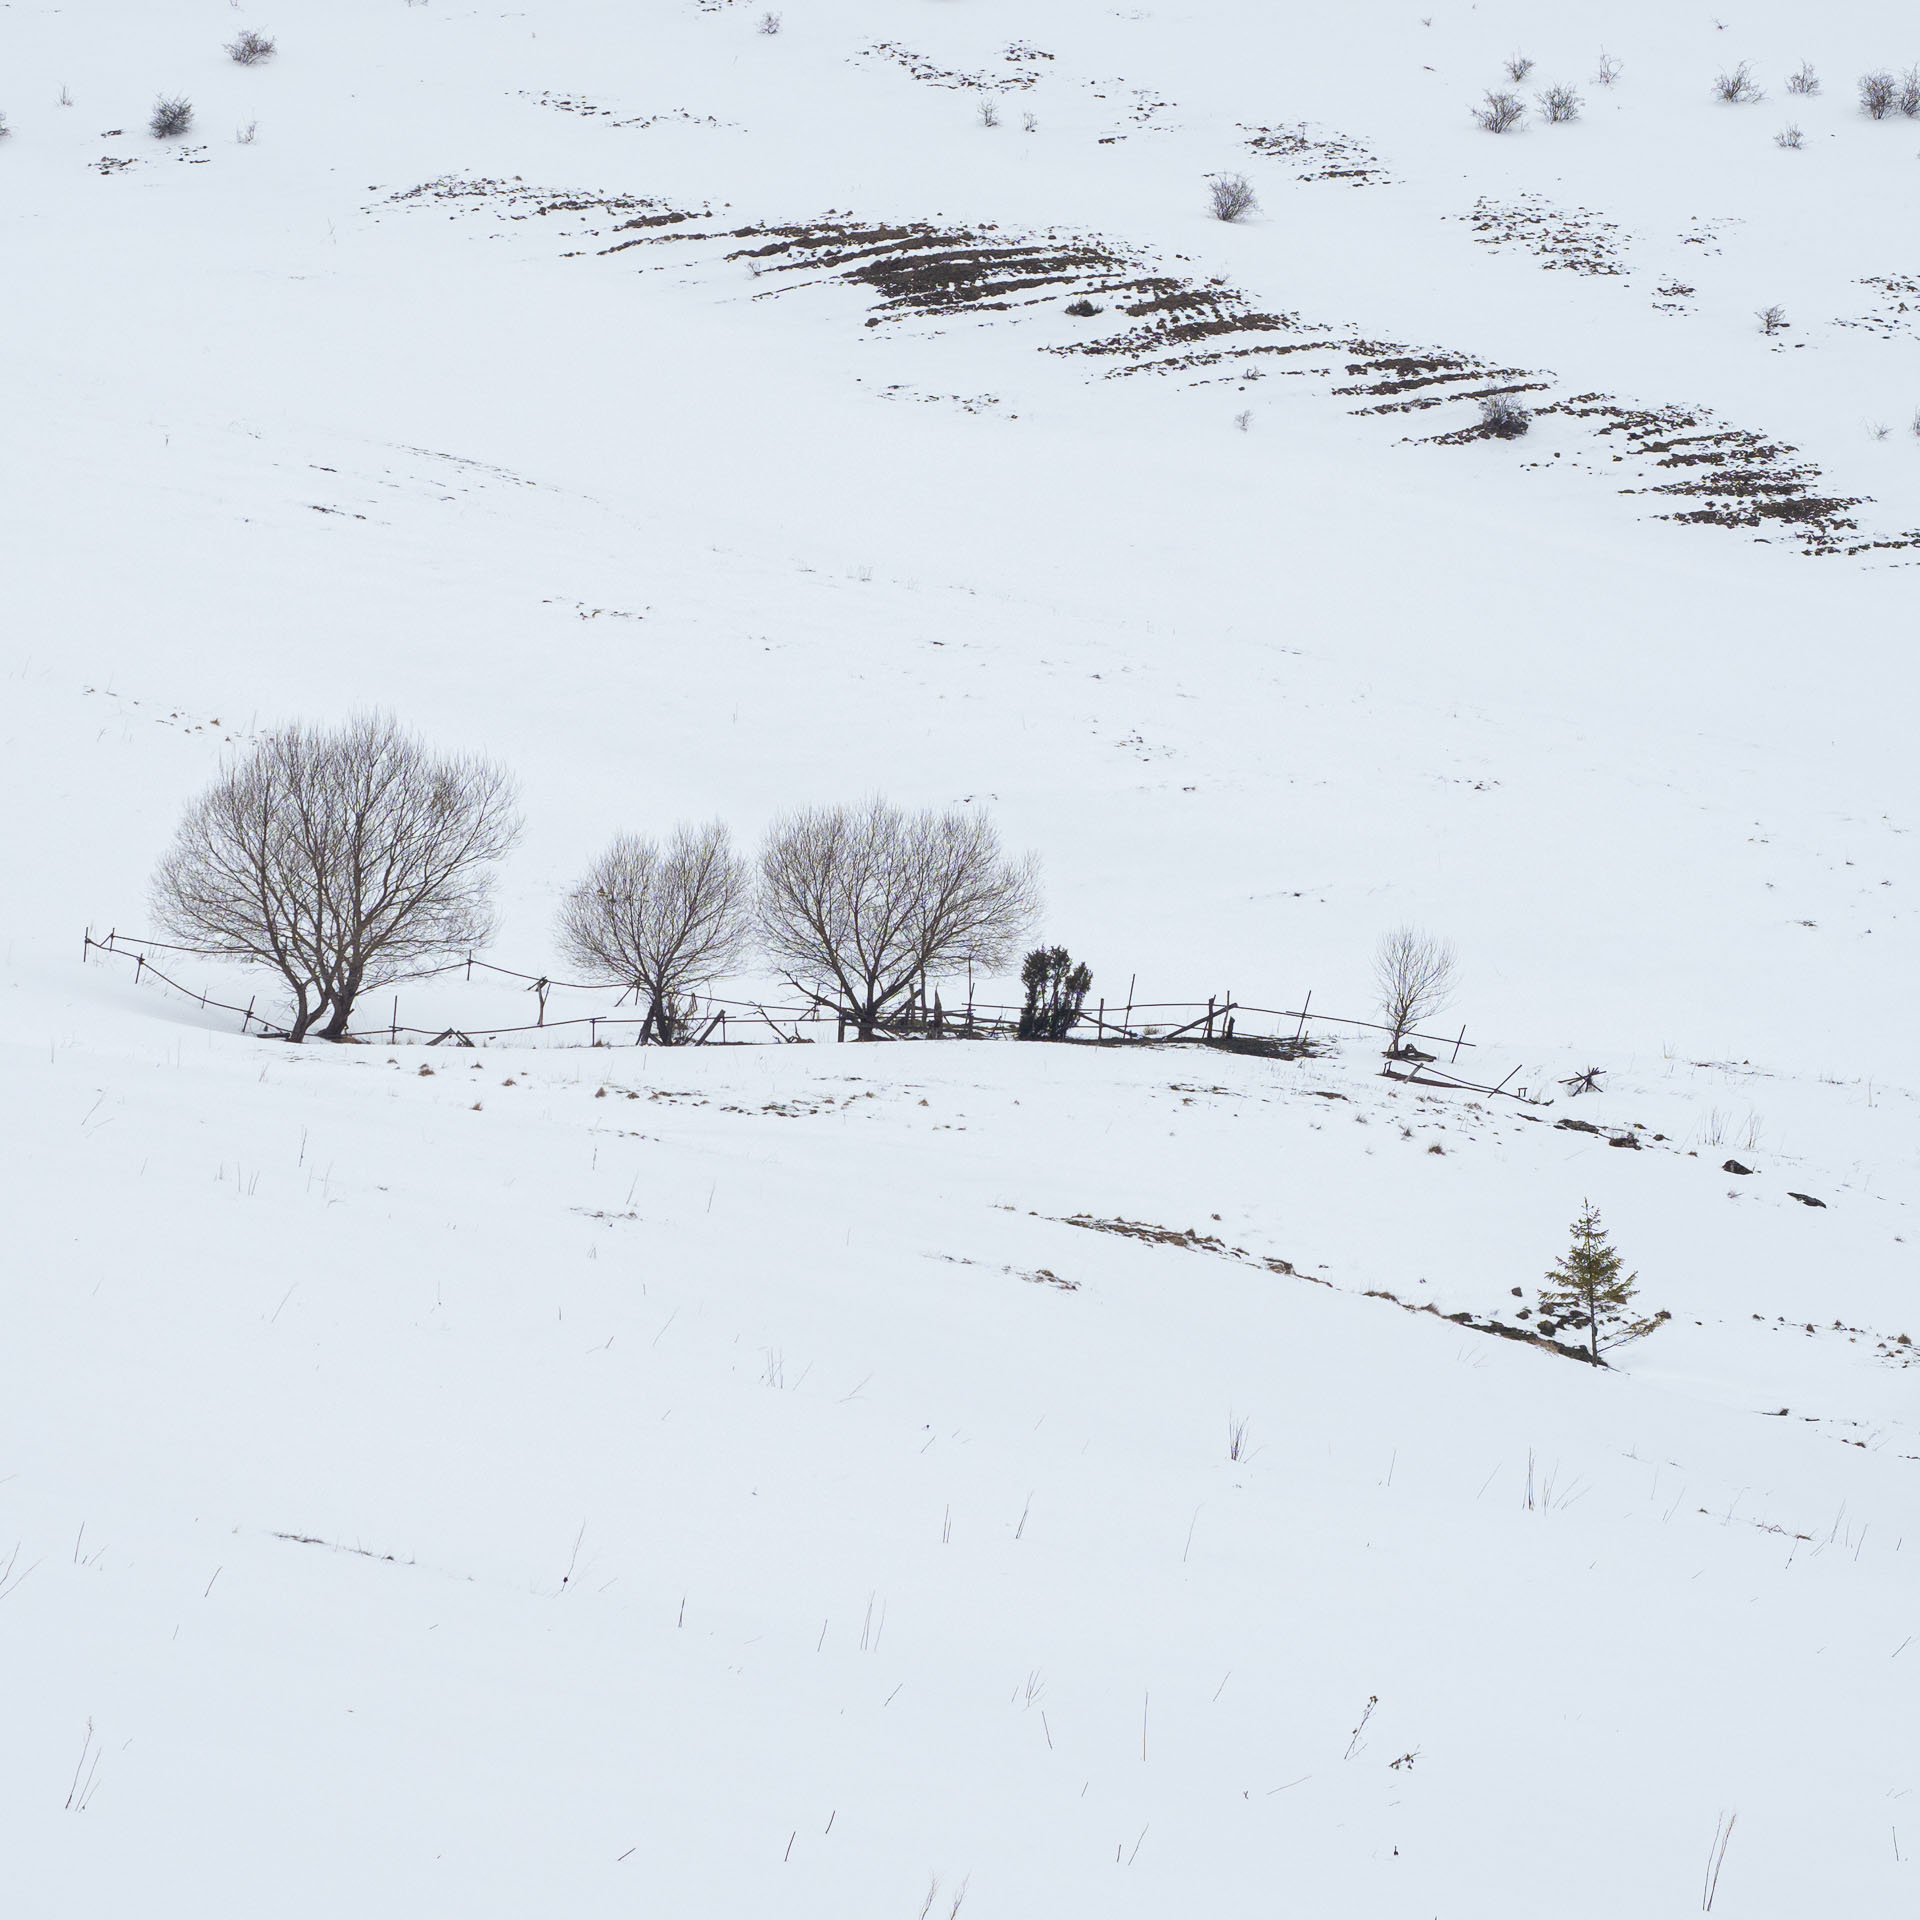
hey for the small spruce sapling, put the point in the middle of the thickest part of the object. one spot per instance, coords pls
(1056, 989)
(1585, 1287)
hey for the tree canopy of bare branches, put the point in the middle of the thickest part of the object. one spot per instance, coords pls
(661, 920)
(859, 906)
(1415, 975)
(342, 858)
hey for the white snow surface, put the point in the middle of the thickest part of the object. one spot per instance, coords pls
(768, 1480)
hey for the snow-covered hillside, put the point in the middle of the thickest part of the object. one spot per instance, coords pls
(773, 1479)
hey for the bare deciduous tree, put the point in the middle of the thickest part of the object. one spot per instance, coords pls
(859, 906)
(342, 858)
(661, 920)
(1414, 972)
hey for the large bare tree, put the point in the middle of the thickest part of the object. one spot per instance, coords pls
(343, 858)
(860, 905)
(661, 920)
(1415, 975)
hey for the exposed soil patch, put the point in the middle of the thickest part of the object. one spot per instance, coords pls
(1154, 320)
(1322, 155)
(1574, 239)
(1023, 59)
(1896, 311)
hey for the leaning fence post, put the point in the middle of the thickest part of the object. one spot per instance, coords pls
(1456, 1044)
(1127, 1025)
(1304, 1005)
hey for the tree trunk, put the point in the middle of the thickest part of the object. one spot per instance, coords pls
(336, 1028)
(303, 1015)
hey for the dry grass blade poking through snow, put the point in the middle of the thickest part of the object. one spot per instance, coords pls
(661, 921)
(1415, 974)
(342, 859)
(861, 906)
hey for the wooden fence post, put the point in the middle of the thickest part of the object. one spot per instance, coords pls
(1127, 1025)
(1209, 1016)
(1456, 1044)
(1304, 1005)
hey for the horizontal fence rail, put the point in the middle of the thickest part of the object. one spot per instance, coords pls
(719, 1021)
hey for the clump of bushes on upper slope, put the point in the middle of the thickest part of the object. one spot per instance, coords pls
(172, 116)
(1803, 79)
(1737, 88)
(1558, 105)
(250, 49)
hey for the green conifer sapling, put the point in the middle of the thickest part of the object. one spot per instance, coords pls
(1586, 1288)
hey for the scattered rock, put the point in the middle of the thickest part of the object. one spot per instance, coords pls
(1734, 1166)
(1806, 1199)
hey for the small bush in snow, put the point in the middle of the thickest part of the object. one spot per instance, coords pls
(171, 117)
(1909, 100)
(1772, 319)
(250, 49)
(4, 129)
(243, 136)
(1560, 104)
(1878, 93)
(1502, 416)
(1788, 137)
(1737, 88)
(1231, 195)
(1518, 67)
(1501, 113)
(1607, 72)
(769, 23)
(1803, 79)
(989, 111)
(1084, 309)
